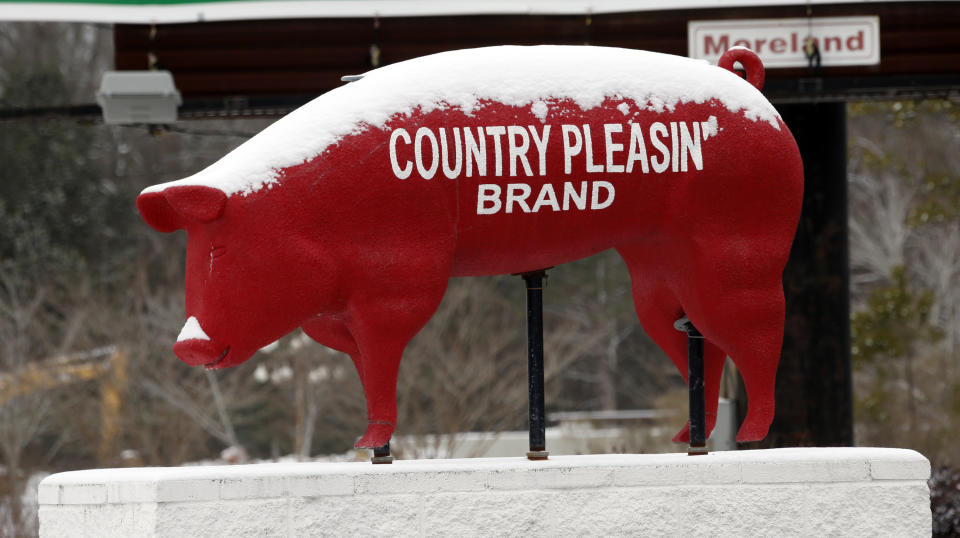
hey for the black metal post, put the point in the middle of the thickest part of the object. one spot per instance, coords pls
(382, 454)
(695, 382)
(538, 419)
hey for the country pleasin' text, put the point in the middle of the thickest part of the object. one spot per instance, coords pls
(516, 151)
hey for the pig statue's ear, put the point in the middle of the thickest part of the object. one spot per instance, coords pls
(176, 207)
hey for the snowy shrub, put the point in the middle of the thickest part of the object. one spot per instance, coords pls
(945, 501)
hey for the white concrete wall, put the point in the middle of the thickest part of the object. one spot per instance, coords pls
(786, 492)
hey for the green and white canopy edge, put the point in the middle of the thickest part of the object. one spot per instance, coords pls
(185, 11)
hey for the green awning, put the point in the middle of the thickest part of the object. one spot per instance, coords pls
(181, 11)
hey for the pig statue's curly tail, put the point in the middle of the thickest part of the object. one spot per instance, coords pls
(750, 62)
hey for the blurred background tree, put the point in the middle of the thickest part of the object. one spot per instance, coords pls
(905, 274)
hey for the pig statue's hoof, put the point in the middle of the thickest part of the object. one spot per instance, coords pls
(757, 423)
(378, 434)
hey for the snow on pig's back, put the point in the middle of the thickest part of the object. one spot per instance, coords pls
(466, 81)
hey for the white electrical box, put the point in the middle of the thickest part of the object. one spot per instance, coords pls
(138, 97)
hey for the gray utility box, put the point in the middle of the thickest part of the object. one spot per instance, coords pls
(138, 97)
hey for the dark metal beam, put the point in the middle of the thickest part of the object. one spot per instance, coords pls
(280, 57)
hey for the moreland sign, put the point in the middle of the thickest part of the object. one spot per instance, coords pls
(780, 42)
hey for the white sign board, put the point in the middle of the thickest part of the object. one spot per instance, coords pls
(779, 42)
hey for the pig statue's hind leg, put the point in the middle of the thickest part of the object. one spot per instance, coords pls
(658, 308)
(383, 319)
(745, 317)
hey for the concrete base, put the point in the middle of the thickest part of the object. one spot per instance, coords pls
(785, 492)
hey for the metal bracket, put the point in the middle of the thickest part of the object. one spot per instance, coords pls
(382, 455)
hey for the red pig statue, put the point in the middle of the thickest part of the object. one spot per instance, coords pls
(348, 217)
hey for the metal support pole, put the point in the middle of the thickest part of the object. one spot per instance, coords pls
(538, 419)
(695, 382)
(382, 454)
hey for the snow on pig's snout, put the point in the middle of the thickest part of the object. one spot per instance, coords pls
(195, 348)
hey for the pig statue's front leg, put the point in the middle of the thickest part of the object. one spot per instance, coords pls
(332, 331)
(382, 325)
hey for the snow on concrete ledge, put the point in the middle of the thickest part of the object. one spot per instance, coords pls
(782, 492)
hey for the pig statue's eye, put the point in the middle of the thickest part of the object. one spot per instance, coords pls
(216, 252)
